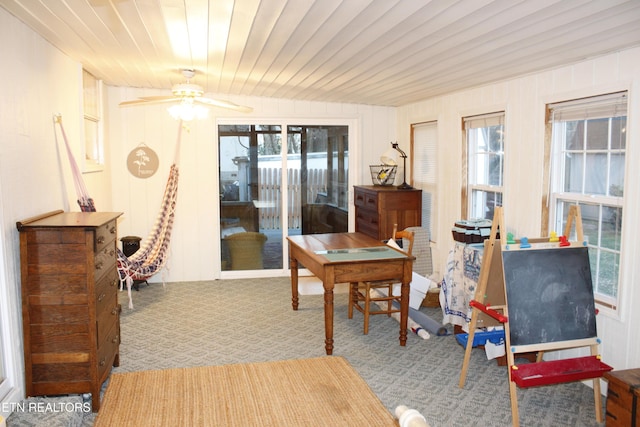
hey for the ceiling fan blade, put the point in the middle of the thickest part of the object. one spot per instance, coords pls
(224, 104)
(146, 100)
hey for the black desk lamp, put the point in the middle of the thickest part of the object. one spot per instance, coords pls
(404, 185)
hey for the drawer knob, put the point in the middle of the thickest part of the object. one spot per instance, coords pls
(114, 311)
(101, 297)
(100, 240)
(115, 339)
(99, 266)
(112, 230)
(103, 362)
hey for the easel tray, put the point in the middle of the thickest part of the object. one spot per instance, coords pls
(558, 371)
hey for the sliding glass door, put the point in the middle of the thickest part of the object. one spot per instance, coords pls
(269, 191)
(318, 164)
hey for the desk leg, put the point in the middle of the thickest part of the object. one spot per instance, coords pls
(328, 314)
(294, 282)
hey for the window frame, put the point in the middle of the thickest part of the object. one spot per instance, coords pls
(554, 216)
(92, 123)
(496, 118)
(424, 164)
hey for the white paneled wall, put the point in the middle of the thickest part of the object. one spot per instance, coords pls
(36, 82)
(524, 101)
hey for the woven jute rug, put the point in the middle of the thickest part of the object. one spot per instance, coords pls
(323, 391)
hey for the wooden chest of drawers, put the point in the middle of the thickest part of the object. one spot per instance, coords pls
(70, 310)
(623, 395)
(378, 208)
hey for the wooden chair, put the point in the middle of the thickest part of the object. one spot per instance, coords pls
(360, 296)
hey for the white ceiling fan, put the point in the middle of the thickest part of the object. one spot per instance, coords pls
(187, 94)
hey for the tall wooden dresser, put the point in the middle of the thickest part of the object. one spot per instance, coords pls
(378, 208)
(70, 310)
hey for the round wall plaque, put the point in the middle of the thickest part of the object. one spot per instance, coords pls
(142, 161)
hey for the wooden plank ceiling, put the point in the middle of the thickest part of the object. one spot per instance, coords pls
(381, 52)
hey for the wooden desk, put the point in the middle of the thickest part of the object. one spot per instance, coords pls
(348, 267)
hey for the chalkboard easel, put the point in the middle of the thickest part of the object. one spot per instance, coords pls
(541, 291)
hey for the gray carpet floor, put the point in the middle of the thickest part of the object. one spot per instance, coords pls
(251, 320)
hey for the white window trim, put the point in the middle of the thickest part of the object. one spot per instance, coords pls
(496, 117)
(606, 304)
(88, 166)
(428, 182)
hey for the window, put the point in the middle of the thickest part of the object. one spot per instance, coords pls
(485, 165)
(424, 141)
(92, 106)
(588, 144)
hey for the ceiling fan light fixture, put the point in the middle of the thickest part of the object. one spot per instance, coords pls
(191, 96)
(187, 111)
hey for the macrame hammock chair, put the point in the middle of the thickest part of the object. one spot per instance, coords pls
(153, 254)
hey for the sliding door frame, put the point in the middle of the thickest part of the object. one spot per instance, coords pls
(353, 174)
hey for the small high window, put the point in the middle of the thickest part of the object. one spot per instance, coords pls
(92, 107)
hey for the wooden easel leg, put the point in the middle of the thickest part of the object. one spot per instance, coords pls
(513, 388)
(574, 215)
(513, 394)
(467, 351)
(597, 399)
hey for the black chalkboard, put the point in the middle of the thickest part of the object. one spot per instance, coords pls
(549, 295)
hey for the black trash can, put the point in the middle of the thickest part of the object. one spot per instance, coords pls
(130, 244)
